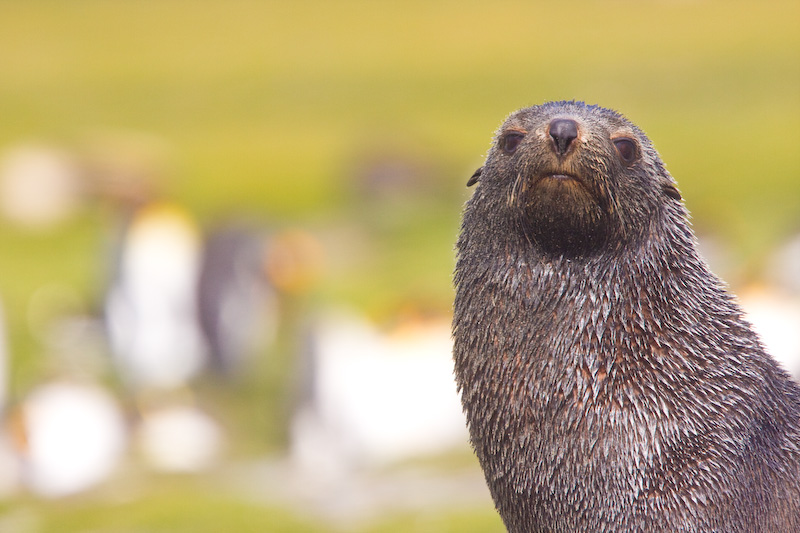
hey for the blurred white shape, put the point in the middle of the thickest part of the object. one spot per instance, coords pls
(373, 399)
(39, 185)
(151, 307)
(75, 436)
(179, 439)
(776, 318)
(784, 267)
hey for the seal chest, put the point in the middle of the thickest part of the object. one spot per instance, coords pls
(609, 381)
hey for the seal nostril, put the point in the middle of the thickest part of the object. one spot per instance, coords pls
(563, 131)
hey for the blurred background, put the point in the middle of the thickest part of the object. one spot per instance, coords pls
(226, 237)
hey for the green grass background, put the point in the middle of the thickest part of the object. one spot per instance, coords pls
(263, 107)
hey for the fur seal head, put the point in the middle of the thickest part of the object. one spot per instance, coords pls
(574, 178)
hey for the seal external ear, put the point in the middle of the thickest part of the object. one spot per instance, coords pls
(474, 178)
(672, 192)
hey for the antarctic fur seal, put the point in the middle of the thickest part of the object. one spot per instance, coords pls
(610, 382)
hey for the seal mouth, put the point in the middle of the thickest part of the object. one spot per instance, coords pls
(562, 178)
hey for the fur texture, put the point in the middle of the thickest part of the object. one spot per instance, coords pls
(609, 381)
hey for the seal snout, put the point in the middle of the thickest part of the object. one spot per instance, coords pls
(563, 131)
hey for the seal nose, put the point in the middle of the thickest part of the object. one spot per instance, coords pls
(563, 131)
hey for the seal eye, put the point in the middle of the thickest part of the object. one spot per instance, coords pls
(510, 141)
(626, 148)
